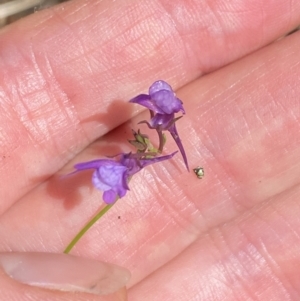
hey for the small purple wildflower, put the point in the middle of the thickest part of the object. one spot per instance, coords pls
(112, 176)
(161, 99)
(163, 104)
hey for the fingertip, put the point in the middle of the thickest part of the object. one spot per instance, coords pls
(67, 273)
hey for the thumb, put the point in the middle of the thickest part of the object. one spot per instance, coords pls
(42, 275)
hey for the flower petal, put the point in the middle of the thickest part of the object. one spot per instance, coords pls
(158, 86)
(131, 164)
(122, 191)
(161, 120)
(126, 178)
(145, 101)
(109, 177)
(166, 101)
(95, 164)
(112, 174)
(109, 196)
(98, 183)
(181, 106)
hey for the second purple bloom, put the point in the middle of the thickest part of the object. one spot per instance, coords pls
(163, 104)
(112, 176)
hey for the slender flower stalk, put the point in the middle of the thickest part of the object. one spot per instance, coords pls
(87, 227)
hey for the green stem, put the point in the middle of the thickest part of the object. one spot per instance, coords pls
(87, 227)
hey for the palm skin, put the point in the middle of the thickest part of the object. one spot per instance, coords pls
(67, 74)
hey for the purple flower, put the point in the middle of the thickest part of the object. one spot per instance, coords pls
(163, 104)
(161, 99)
(112, 176)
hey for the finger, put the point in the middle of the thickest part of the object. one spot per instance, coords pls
(255, 257)
(56, 273)
(66, 71)
(229, 129)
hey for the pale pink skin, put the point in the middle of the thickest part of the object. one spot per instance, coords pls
(66, 74)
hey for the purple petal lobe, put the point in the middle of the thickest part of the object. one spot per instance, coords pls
(161, 120)
(109, 196)
(131, 164)
(94, 164)
(158, 86)
(126, 178)
(166, 101)
(112, 174)
(140, 98)
(145, 101)
(98, 182)
(109, 176)
(181, 106)
(121, 191)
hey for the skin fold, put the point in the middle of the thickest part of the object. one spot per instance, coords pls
(67, 74)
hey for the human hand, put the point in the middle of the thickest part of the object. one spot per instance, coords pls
(67, 74)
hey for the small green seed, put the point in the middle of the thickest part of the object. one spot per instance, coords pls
(199, 171)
